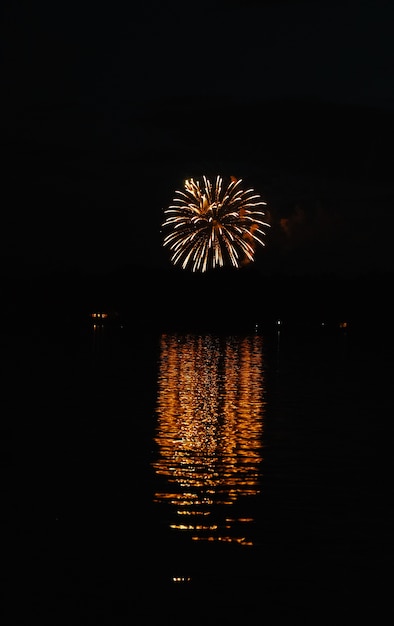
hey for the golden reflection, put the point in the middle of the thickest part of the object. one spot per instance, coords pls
(209, 433)
(98, 337)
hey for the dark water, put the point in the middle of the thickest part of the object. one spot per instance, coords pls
(184, 478)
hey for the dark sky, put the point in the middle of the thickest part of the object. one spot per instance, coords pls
(108, 107)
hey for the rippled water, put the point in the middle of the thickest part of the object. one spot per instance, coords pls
(196, 478)
(209, 434)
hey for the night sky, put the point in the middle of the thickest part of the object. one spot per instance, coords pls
(108, 107)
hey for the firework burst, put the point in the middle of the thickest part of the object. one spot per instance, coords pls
(212, 225)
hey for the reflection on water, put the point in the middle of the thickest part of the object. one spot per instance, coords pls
(98, 329)
(210, 410)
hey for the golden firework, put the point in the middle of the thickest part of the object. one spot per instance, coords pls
(212, 225)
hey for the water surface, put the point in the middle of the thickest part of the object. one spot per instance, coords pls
(193, 477)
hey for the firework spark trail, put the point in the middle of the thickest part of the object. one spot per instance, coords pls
(211, 226)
